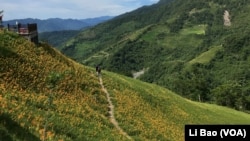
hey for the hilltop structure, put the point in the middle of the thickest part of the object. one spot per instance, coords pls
(1, 19)
(28, 31)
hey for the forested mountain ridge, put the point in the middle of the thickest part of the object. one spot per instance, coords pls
(199, 49)
(57, 31)
(58, 24)
(57, 38)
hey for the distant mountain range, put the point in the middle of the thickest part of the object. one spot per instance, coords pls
(57, 24)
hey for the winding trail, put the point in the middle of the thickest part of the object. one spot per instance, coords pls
(111, 111)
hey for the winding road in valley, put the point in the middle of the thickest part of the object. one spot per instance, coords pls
(111, 111)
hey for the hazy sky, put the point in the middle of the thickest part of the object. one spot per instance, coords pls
(75, 9)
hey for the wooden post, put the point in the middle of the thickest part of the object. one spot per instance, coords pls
(18, 27)
(1, 19)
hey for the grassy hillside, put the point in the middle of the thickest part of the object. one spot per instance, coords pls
(42, 90)
(183, 44)
(138, 104)
(40, 86)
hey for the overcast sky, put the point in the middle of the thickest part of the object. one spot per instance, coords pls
(75, 9)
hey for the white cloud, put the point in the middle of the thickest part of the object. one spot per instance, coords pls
(78, 9)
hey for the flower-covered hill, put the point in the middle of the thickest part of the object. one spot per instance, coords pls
(41, 88)
(45, 95)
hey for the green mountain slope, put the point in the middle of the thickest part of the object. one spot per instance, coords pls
(199, 49)
(57, 38)
(40, 87)
(43, 94)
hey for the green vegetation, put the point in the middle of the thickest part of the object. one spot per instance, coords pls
(206, 57)
(46, 96)
(183, 43)
(57, 38)
(198, 29)
(138, 104)
(39, 86)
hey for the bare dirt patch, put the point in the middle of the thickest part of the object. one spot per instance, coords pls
(226, 17)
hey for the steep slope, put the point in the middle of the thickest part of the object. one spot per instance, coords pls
(40, 87)
(106, 36)
(137, 104)
(196, 48)
(42, 90)
(57, 38)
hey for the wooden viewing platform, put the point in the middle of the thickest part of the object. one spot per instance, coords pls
(28, 31)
